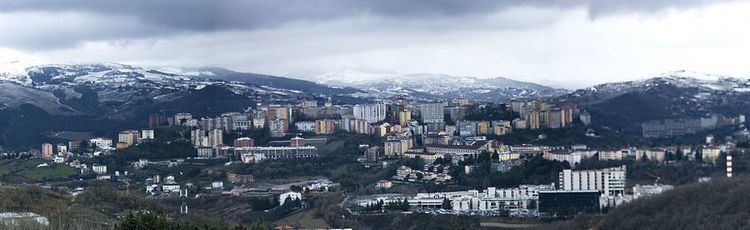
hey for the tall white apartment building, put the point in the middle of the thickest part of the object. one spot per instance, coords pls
(609, 181)
(372, 113)
(432, 113)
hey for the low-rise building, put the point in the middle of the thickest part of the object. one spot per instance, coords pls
(257, 154)
(170, 188)
(289, 195)
(650, 154)
(240, 178)
(459, 151)
(573, 158)
(649, 190)
(99, 169)
(305, 126)
(101, 143)
(384, 184)
(420, 153)
(612, 155)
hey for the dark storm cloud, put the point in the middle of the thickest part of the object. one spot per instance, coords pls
(202, 15)
(49, 24)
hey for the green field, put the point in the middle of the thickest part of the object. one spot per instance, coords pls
(305, 219)
(27, 170)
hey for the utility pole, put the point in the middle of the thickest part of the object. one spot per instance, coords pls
(729, 166)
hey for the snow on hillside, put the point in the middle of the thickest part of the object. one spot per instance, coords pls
(15, 71)
(705, 85)
(441, 85)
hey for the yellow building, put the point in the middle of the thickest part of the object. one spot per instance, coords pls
(382, 130)
(538, 105)
(47, 150)
(404, 117)
(534, 119)
(710, 154)
(483, 127)
(130, 137)
(500, 128)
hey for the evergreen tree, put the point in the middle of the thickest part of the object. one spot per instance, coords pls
(142, 220)
(405, 205)
(531, 205)
(447, 205)
(699, 156)
(259, 225)
(679, 154)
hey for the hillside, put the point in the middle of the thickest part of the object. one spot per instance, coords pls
(680, 94)
(720, 204)
(427, 87)
(62, 210)
(276, 82)
(38, 99)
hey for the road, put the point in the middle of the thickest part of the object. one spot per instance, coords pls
(506, 225)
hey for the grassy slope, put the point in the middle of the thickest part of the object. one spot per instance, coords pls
(305, 218)
(722, 204)
(62, 211)
(26, 170)
(719, 204)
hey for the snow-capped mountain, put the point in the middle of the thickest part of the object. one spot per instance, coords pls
(119, 87)
(702, 82)
(37, 99)
(677, 94)
(435, 86)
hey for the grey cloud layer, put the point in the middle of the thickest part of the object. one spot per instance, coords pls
(253, 14)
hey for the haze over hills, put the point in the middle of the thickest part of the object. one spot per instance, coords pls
(425, 86)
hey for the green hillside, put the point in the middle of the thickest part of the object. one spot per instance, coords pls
(720, 204)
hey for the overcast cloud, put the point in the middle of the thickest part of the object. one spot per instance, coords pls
(567, 43)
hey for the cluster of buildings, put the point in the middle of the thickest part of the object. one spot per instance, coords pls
(125, 139)
(383, 118)
(408, 130)
(244, 149)
(438, 175)
(708, 153)
(576, 191)
(537, 114)
(207, 134)
(167, 186)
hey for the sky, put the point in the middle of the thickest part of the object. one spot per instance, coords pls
(562, 43)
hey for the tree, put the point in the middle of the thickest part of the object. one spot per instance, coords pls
(142, 220)
(405, 205)
(453, 225)
(415, 163)
(84, 146)
(258, 225)
(679, 154)
(669, 156)
(531, 205)
(699, 156)
(296, 188)
(447, 205)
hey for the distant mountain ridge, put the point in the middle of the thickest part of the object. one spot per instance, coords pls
(677, 94)
(432, 86)
(39, 98)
